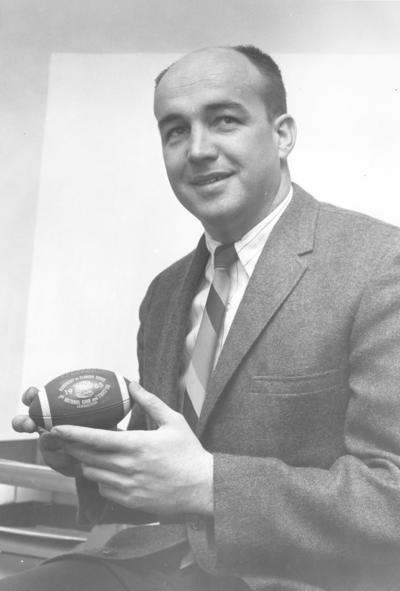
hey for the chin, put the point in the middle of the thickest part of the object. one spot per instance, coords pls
(214, 211)
(224, 227)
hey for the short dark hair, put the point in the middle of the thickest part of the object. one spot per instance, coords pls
(275, 89)
(275, 96)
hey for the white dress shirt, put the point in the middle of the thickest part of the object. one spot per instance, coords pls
(248, 248)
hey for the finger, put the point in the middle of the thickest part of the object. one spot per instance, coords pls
(105, 477)
(95, 459)
(23, 424)
(112, 494)
(120, 496)
(132, 499)
(29, 395)
(52, 449)
(152, 405)
(97, 439)
(50, 441)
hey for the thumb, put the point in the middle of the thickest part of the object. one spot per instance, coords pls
(160, 412)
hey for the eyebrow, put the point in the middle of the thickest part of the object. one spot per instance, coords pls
(210, 107)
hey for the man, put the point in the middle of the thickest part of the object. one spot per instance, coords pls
(273, 461)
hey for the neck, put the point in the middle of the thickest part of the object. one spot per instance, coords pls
(229, 231)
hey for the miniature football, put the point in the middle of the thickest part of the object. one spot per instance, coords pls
(87, 397)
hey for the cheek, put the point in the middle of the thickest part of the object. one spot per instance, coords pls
(265, 148)
(174, 165)
(251, 151)
(266, 162)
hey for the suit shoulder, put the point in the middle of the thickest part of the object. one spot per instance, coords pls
(336, 231)
(347, 218)
(356, 232)
(355, 239)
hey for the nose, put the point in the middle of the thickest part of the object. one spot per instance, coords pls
(201, 145)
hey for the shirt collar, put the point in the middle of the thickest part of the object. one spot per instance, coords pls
(249, 247)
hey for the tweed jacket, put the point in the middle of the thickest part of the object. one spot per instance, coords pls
(302, 412)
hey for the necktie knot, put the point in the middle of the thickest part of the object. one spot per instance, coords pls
(224, 256)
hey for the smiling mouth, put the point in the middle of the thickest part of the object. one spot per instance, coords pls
(210, 179)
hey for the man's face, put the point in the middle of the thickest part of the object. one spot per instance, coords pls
(220, 151)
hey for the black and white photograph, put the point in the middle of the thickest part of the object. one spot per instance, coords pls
(200, 303)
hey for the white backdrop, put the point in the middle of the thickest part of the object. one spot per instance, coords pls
(107, 221)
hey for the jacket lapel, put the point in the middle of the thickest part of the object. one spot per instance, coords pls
(170, 364)
(278, 270)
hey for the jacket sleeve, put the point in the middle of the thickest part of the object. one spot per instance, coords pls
(93, 508)
(318, 525)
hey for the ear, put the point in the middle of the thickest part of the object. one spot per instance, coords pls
(286, 133)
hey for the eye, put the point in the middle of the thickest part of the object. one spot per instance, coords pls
(175, 132)
(226, 121)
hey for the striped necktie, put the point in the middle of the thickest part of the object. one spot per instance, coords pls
(202, 362)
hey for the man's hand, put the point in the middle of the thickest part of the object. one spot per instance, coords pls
(165, 471)
(50, 445)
